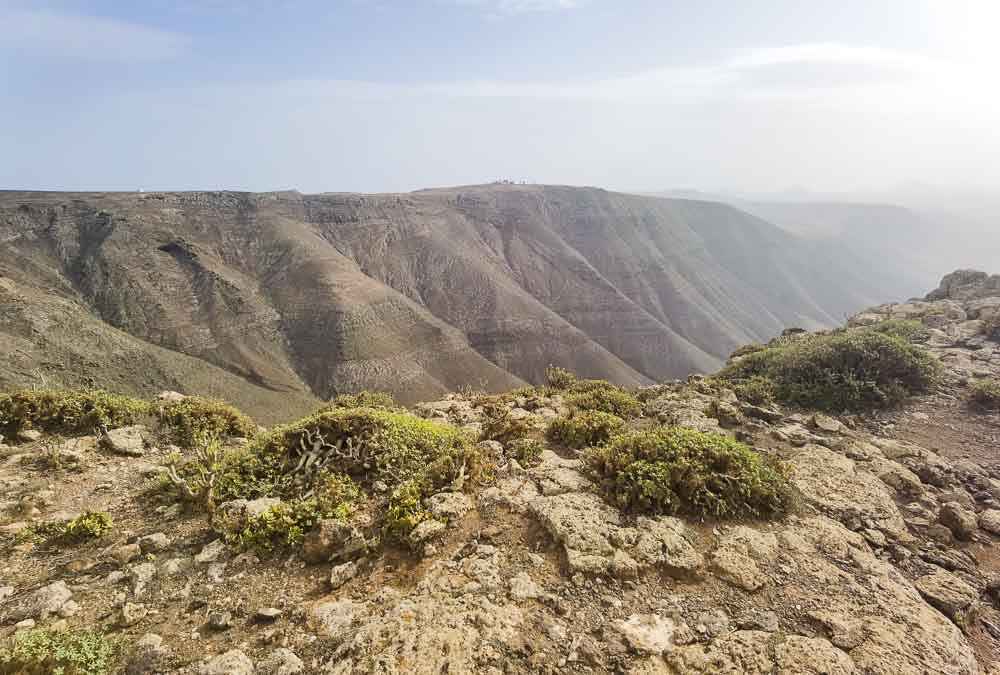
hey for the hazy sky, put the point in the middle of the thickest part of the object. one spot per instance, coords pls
(385, 95)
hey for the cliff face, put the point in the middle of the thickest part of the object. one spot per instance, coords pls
(414, 293)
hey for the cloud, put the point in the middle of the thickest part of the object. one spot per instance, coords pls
(87, 37)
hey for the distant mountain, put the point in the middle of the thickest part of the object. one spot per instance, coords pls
(245, 295)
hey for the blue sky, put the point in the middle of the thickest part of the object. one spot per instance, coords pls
(376, 95)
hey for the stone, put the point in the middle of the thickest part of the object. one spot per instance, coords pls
(341, 574)
(220, 620)
(267, 615)
(948, 594)
(43, 603)
(989, 520)
(961, 521)
(735, 559)
(5, 592)
(448, 506)
(648, 633)
(29, 435)
(141, 575)
(211, 551)
(828, 424)
(712, 623)
(233, 662)
(132, 613)
(425, 531)
(522, 587)
(763, 621)
(332, 619)
(333, 540)
(150, 655)
(234, 516)
(154, 543)
(281, 661)
(127, 441)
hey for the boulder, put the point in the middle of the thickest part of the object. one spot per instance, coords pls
(947, 593)
(281, 661)
(448, 506)
(990, 521)
(333, 540)
(961, 521)
(128, 441)
(233, 662)
(43, 603)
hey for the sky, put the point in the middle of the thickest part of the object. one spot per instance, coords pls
(395, 95)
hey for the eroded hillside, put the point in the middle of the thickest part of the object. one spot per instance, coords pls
(709, 525)
(247, 295)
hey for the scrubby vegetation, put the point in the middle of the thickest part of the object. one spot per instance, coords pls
(584, 429)
(286, 524)
(319, 466)
(527, 451)
(71, 412)
(43, 652)
(843, 370)
(986, 393)
(194, 417)
(559, 378)
(905, 329)
(89, 525)
(601, 396)
(678, 470)
(746, 350)
(364, 399)
(497, 423)
(756, 390)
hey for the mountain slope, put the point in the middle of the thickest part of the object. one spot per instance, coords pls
(417, 293)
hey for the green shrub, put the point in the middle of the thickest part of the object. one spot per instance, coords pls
(905, 329)
(194, 416)
(844, 370)
(42, 652)
(70, 412)
(497, 423)
(527, 451)
(285, 525)
(584, 429)
(604, 397)
(746, 350)
(364, 399)
(405, 510)
(986, 393)
(755, 390)
(679, 470)
(559, 378)
(89, 525)
(376, 445)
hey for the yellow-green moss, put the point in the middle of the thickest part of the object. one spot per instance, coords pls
(69, 412)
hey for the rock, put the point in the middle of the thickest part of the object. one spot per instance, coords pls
(150, 655)
(126, 553)
(220, 620)
(333, 540)
(990, 521)
(712, 623)
(211, 551)
(170, 397)
(762, 621)
(5, 592)
(522, 587)
(843, 631)
(154, 543)
(280, 662)
(648, 633)
(125, 441)
(828, 424)
(232, 517)
(947, 593)
(961, 521)
(267, 615)
(233, 662)
(29, 435)
(735, 559)
(332, 619)
(216, 572)
(426, 531)
(43, 603)
(27, 624)
(141, 575)
(341, 574)
(448, 506)
(132, 613)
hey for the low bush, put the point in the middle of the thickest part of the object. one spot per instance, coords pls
(89, 525)
(905, 329)
(285, 525)
(43, 652)
(746, 350)
(604, 397)
(559, 378)
(527, 451)
(496, 423)
(405, 510)
(193, 417)
(755, 390)
(678, 470)
(69, 412)
(364, 399)
(844, 370)
(584, 429)
(986, 393)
